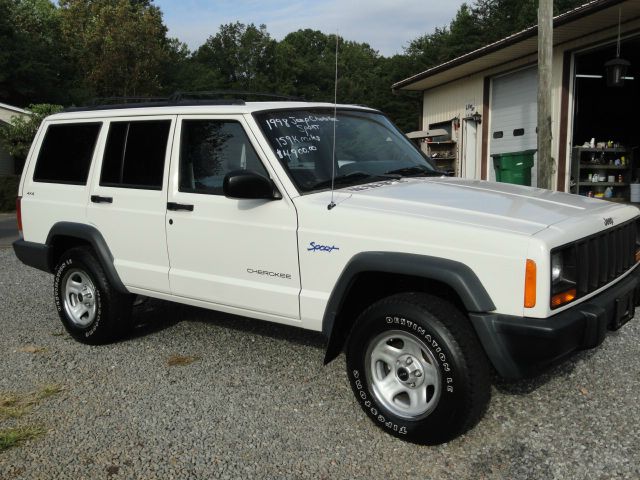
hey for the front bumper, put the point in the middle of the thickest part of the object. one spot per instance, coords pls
(520, 347)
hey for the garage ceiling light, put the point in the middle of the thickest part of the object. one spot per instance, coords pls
(617, 68)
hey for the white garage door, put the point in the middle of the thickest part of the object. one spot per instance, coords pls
(514, 114)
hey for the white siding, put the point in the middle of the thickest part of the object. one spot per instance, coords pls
(449, 101)
(6, 115)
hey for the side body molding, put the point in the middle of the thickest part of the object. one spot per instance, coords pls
(96, 240)
(454, 274)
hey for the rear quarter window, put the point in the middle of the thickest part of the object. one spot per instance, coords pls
(66, 152)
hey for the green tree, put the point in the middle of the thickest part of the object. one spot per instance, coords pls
(19, 134)
(305, 65)
(7, 40)
(118, 47)
(477, 25)
(32, 62)
(239, 56)
(501, 18)
(403, 108)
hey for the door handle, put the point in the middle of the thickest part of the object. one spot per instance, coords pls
(179, 206)
(99, 199)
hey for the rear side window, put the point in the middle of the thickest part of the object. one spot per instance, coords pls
(66, 153)
(135, 154)
(209, 149)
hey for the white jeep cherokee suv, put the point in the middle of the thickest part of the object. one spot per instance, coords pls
(427, 283)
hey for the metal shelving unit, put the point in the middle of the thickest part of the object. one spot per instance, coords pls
(587, 162)
(444, 154)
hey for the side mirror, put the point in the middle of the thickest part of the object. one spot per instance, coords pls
(250, 185)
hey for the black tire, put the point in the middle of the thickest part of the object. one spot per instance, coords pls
(97, 313)
(454, 393)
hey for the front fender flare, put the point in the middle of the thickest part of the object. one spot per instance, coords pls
(456, 275)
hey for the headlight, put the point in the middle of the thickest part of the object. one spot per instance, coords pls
(563, 277)
(556, 266)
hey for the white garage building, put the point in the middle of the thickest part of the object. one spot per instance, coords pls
(487, 100)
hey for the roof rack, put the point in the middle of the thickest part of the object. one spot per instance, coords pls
(244, 94)
(210, 97)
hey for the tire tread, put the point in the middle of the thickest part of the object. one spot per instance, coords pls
(478, 377)
(116, 305)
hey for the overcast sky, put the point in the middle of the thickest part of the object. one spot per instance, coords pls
(386, 25)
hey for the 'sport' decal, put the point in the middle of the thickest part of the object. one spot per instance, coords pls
(315, 247)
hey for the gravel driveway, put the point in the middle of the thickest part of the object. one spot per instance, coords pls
(8, 229)
(247, 399)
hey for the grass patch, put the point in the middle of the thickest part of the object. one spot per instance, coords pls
(13, 405)
(180, 360)
(10, 407)
(48, 391)
(11, 437)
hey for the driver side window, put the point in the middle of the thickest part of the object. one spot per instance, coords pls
(209, 149)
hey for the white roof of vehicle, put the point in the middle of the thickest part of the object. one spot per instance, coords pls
(228, 109)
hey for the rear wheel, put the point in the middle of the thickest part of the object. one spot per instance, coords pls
(91, 310)
(417, 369)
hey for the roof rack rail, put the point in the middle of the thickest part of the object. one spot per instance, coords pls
(209, 97)
(207, 94)
(123, 100)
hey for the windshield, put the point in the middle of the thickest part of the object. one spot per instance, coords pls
(368, 147)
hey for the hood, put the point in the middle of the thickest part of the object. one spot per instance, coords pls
(503, 206)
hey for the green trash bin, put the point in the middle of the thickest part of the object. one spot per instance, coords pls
(514, 167)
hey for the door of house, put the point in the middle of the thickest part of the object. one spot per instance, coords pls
(469, 167)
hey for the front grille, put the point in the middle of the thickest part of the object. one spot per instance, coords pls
(603, 257)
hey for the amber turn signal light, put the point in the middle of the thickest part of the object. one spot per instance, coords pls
(562, 298)
(637, 256)
(530, 284)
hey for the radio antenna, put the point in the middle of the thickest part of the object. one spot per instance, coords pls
(335, 120)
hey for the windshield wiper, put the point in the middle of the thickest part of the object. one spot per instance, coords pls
(354, 177)
(414, 171)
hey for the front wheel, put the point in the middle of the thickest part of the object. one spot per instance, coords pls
(417, 369)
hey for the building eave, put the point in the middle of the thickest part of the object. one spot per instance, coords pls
(515, 46)
(12, 108)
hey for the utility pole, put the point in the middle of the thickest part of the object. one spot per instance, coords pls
(546, 167)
